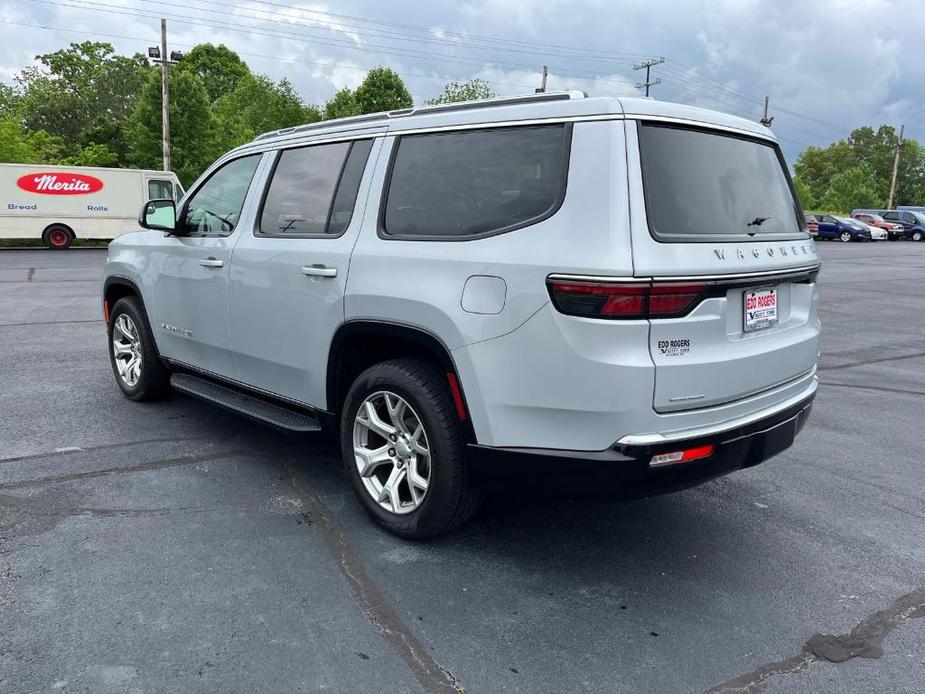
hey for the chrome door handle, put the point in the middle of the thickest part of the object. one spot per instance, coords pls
(211, 262)
(319, 271)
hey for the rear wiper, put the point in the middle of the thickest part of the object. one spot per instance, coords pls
(757, 221)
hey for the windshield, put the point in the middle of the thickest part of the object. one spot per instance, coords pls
(708, 186)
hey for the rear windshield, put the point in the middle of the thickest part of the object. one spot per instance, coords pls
(707, 186)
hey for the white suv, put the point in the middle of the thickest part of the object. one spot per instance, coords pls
(618, 291)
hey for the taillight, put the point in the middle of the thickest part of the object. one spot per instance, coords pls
(615, 300)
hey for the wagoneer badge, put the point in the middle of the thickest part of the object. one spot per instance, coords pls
(803, 249)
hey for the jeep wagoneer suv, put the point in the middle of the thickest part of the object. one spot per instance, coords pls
(619, 291)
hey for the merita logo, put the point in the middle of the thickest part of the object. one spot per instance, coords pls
(59, 183)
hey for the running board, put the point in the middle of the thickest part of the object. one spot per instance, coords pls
(243, 403)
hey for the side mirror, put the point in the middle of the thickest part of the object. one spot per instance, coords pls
(159, 214)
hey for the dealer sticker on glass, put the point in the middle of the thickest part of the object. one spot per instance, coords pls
(760, 309)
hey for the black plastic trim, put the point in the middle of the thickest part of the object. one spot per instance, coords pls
(623, 472)
(557, 205)
(426, 339)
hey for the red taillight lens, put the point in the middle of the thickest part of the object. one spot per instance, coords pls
(625, 301)
(674, 299)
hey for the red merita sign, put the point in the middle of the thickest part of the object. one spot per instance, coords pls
(59, 183)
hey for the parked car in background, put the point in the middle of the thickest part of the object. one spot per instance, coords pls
(841, 228)
(812, 225)
(913, 222)
(58, 204)
(894, 230)
(876, 233)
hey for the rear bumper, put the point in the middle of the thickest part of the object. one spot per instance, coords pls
(623, 471)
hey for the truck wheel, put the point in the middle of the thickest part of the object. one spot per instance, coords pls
(403, 450)
(845, 236)
(57, 237)
(135, 362)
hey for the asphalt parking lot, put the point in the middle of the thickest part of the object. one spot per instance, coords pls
(174, 547)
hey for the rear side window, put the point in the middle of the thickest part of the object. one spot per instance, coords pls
(313, 189)
(709, 186)
(467, 184)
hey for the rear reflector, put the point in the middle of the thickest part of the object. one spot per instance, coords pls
(627, 301)
(684, 456)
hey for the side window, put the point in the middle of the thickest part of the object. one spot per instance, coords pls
(177, 192)
(159, 190)
(313, 189)
(474, 183)
(891, 216)
(829, 219)
(908, 217)
(216, 206)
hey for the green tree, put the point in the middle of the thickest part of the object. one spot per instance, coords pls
(851, 188)
(473, 90)
(341, 105)
(96, 155)
(805, 193)
(874, 150)
(9, 102)
(219, 68)
(382, 90)
(193, 141)
(80, 91)
(258, 105)
(20, 147)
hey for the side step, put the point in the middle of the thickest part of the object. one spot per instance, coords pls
(243, 403)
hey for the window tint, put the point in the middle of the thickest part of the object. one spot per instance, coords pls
(891, 215)
(159, 190)
(346, 196)
(703, 185)
(299, 197)
(216, 206)
(463, 184)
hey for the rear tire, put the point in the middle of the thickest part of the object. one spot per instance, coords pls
(139, 371)
(58, 237)
(449, 499)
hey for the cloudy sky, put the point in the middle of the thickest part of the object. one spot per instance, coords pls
(828, 66)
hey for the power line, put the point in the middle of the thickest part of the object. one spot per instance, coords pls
(647, 66)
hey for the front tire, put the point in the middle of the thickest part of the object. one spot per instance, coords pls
(917, 235)
(845, 236)
(403, 450)
(139, 371)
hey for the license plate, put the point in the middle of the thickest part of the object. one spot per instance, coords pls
(760, 309)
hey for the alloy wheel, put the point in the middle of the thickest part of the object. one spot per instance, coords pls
(126, 348)
(392, 453)
(845, 236)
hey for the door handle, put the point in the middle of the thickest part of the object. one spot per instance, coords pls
(319, 271)
(211, 262)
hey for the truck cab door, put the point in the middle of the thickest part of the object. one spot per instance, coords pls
(189, 270)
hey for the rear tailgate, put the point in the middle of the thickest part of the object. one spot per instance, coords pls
(714, 210)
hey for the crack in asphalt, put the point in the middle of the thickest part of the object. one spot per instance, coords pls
(865, 362)
(864, 641)
(101, 447)
(879, 389)
(143, 467)
(432, 676)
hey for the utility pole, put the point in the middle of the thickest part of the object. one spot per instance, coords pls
(647, 66)
(766, 120)
(899, 146)
(165, 98)
(159, 55)
(542, 88)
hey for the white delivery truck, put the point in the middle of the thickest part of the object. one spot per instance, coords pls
(60, 203)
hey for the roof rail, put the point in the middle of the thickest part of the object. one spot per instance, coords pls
(436, 108)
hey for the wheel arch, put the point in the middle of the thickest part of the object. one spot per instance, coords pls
(359, 344)
(116, 287)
